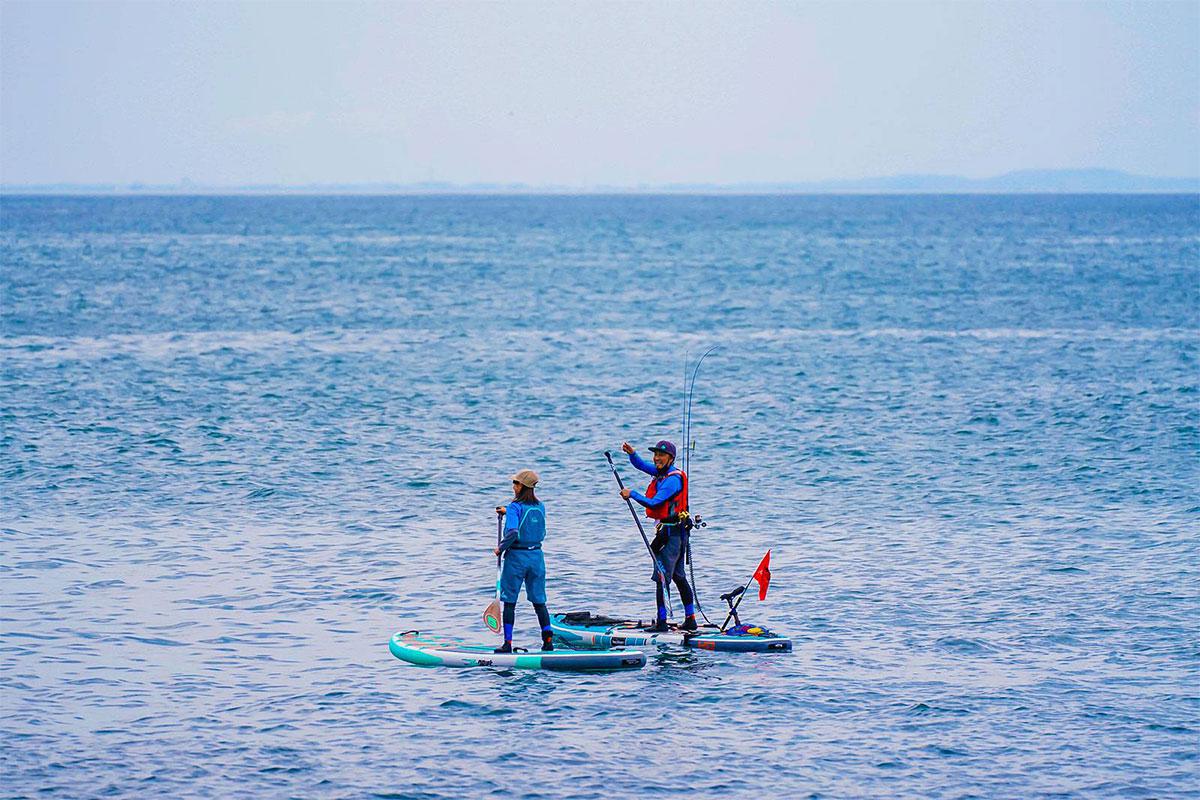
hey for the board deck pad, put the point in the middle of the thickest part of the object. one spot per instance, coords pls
(583, 628)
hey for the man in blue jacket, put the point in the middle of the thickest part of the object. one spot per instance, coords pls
(666, 502)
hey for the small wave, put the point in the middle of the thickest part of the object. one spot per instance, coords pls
(25, 635)
(47, 563)
(158, 642)
(925, 710)
(963, 645)
(478, 709)
(945, 752)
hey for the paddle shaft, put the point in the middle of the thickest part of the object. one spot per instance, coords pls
(499, 533)
(658, 567)
(494, 609)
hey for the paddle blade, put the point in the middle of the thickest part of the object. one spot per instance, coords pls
(491, 617)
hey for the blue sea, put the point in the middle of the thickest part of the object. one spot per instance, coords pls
(246, 439)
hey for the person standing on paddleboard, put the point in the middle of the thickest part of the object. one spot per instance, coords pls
(524, 530)
(666, 502)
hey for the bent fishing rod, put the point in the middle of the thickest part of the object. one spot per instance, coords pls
(689, 392)
(689, 447)
(658, 567)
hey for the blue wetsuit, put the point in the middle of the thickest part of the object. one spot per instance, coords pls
(671, 543)
(523, 564)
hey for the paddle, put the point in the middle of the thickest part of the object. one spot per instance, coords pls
(492, 614)
(658, 567)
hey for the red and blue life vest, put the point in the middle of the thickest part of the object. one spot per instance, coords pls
(670, 510)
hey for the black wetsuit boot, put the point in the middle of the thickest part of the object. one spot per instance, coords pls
(687, 596)
(509, 615)
(660, 622)
(543, 617)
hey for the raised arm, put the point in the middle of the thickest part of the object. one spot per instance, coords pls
(640, 463)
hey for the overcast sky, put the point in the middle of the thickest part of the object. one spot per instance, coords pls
(580, 94)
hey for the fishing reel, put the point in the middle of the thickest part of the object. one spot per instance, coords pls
(690, 521)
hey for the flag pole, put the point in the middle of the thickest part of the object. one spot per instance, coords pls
(741, 594)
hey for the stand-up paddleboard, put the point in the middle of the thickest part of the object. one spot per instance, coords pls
(431, 650)
(595, 630)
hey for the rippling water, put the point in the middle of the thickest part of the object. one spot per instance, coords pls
(244, 440)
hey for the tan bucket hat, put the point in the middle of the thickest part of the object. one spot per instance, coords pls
(526, 477)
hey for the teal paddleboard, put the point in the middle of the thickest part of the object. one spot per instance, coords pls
(432, 650)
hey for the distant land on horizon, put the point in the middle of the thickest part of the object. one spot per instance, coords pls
(1063, 181)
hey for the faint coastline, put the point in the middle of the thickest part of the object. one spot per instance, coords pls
(1072, 181)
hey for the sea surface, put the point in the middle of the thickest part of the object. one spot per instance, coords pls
(245, 439)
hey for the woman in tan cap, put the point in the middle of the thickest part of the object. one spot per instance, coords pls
(524, 530)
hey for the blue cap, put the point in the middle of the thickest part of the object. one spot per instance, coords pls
(664, 447)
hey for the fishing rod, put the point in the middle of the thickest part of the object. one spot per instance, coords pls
(688, 447)
(683, 417)
(688, 444)
(658, 567)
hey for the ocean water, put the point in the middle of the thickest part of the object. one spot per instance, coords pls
(246, 439)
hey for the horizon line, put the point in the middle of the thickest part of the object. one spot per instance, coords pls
(1029, 181)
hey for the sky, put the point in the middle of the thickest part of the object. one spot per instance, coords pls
(585, 94)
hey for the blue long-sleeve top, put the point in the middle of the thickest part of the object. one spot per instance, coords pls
(512, 521)
(668, 487)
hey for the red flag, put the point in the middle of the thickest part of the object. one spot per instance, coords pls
(763, 575)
